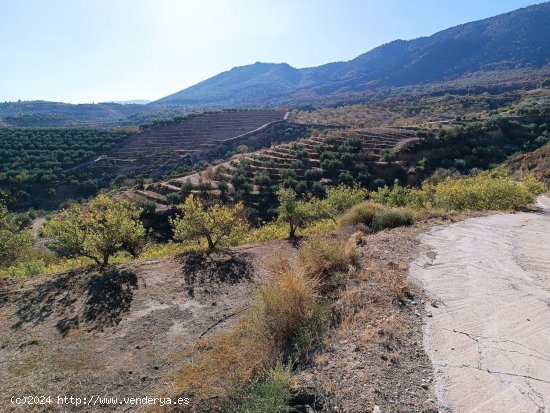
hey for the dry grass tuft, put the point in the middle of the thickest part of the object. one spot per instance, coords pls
(328, 261)
(283, 309)
(362, 213)
(392, 218)
(283, 325)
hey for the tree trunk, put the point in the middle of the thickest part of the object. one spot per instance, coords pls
(211, 245)
(105, 259)
(292, 234)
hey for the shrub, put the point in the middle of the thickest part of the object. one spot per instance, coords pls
(484, 191)
(318, 189)
(262, 180)
(392, 218)
(14, 241)
(174, 198)
(314, 174)
(26, 268)
(362, 213)
(326, 261)
(394, 196)
(339, 199)
(242, 149)
(270, 395)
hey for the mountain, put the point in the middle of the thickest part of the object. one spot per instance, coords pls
(516, 40)
(132, 102)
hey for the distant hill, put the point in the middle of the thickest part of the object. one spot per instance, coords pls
(510, 41)
(132, 102)
(41, 113)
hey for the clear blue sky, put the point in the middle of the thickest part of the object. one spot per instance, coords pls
(100, 50)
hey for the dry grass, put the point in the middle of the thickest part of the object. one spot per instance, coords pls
(392, 218)
(362, 213)
(218, 367)
(283, 309)
(282, 326)
(328, 261)
(369, 305)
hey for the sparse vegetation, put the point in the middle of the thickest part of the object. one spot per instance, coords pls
(327, 260)
(270, 394)
(282, 328)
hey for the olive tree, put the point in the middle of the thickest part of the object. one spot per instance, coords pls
(214, 223)
(97, 231)
(293, 211)
(339, 199)
(14, 241)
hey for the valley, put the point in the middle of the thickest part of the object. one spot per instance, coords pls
(361, 236)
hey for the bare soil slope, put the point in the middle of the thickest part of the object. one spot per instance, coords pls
(489, 337)
(119, 332)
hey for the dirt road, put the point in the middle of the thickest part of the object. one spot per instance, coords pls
(488, 326)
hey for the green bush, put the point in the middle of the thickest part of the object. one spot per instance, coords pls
(394, 196)
(24, 269)
(270, 395)
(491, 190)
(392, 218)
(363, 213)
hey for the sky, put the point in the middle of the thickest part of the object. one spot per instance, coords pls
(82, 51)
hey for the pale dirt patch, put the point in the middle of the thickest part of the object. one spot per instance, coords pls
(489, 334)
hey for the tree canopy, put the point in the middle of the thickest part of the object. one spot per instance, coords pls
(293, 211)
(215, 223)
(97, 231)
(14, 241)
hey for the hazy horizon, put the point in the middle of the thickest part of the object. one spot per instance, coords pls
(83, 52)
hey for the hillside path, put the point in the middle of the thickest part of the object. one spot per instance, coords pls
(487, 330)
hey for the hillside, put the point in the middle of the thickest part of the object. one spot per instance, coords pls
(536, 163)
(510, 41)
(140, 315)
(162, 146)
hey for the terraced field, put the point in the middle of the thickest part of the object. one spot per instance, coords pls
(161, 147)
(369, 147)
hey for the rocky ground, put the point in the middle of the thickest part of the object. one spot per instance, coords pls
(373, 360)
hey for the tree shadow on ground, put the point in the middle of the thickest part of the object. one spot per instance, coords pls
(94, 299)
(110, 294)
(38, 304)
(224, 267)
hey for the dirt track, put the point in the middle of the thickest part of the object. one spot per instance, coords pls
(488, 326)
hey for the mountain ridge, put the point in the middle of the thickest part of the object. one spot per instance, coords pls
(512, 40)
